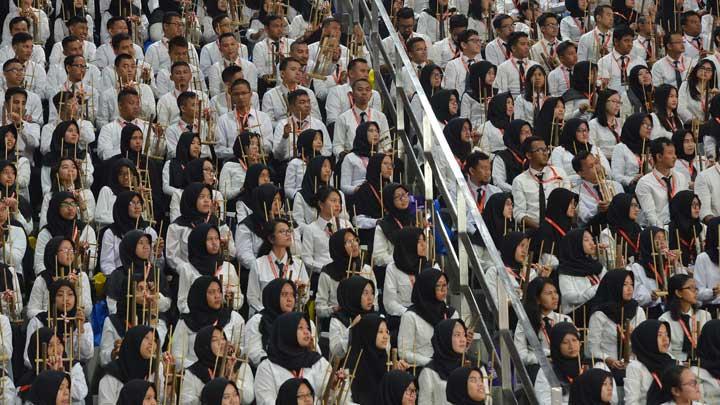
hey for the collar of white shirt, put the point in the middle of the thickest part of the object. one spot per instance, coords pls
(275, 258)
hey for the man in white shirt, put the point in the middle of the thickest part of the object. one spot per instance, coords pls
(229, 50)
(66, 105)
(157, 53)
(405, 23)
(268, 52)
(77, 27)
(707, 188)
(128, 102)
(58, 73)
(655, 189)
(614, 68)
(644, 46)
(594, 198)
(178, 51)
(13, 76)
(498, 51)
(479, 174)
(167, 107)
(532, 187)
(210, 52)
(597, 43)
(511, 73)
(544, 51)
(187, 104)
(417, 52)
(299, 50)
(21, 24)
(674, 67)
(77, 81)
(125, 66)
(456, 70)
(360, 112)
(123, 44)
(14, 112)
(288, 129)
(447, 49)
(274, 102)
(222, 103)
(695, 44)
(35, 78)
(340, 97)
(243, 118)
(104, 55)
(560, 78)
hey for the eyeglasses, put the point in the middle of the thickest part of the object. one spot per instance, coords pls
(692, 383)
(441, 287)
(14, 70)
(402, 196)
(692, 289)
(68, 205)
(285, 232)
(305, 396)
(136, 203)
(66, 250)
(411, 392)
(551, 25)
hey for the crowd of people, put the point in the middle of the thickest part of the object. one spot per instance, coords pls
(202, 202)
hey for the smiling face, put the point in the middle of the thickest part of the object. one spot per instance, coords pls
(383, 336)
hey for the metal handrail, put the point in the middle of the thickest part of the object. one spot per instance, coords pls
(436, 151)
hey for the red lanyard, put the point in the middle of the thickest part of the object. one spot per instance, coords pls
(553, 178)
(242, 120)
(565, 71)
(556, 226)
(689, 166)
(377, 196)
(681, 63)
(298, 374)
(594, 280)
(686, 331)
(274, 270)
(657, 275)
(662, 183)
(657, 380)
(592, 192)
(517, 158)
(627, 239)
(514, 275)
(579, 25)
(604, 44)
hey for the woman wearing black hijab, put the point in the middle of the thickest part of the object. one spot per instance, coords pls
(9, 156)
(512, 160)
(138, 392)
(466, 386)
(650, 342)
(67, 176)
(623, 229)
(550, 120)
(630, 159)
(353, 167)
(397, 388)
(457, 135)
(579, 273)
(409, 259)
(706, 268)
(318, 175)
(65, 143)
(478, 91)
(624, 13)
(257, 175)
(133, 362)
(122, 176)
(446, 105)
(10, 188)
(708, 350)
(685, 229)
(356, 296)
(55, 360)
(581, 94)
(639, 96)
(278, 297)
(187, 149)
(127, 216)
(295, 391)
(650, 272)
(417, 323)
(202, 171)
(291, 353)
(566, 358)
(344, 249)
(499, 114)
(514, 251)
(562, 204)
(206, 307)
(218, 391)
(574, 138)
(593, 387)
(366, 201)
(614, 309)
(63, 220)
(51, 388)
(309, 146)
(449, 344)
(267, 204)
(498, 218)
(208, 347)
(396, 206)
(665, 118)
(428, 80)
(689, 163)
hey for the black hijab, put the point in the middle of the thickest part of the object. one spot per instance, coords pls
(284, 349)
(46, 386)
(453, 135)
(619, 220)
(645, 256)
(213, 391)
(128, 244)
(547, 235)
(194, 170)
(587, 387)
(573, 259)
(112, 180)
(241, 146)
(125, 137)
(189, 214)
(271, 306)
(349, 295)
(60, 148)
(568, 136)
(394, 219)
(497, 224)
(545, 119)
(288, 393)
(205, 363)
(425, 74)
(52, 266)
(130, 364)
(205, 263)
(122, 223)
(709, 347)
(252, 178)
(678, 139)
(305, 144)
(440, 103)
(64, 320)
(263, 197)
(338, 267)
(630, 134)
(711, 239)
(573, 7)
(475, 86)
(56, 224)
(405, 254)
(361, 144)
(444, 358)
(637, 93)
(644, 345)
(181, 159)
(133, 392)
(580, 84)
(200, 312)
(682, 224)
(456, 389)
(373, 361)
(392, 387)
(509, 246)
(424, 302)
(311, 182)
(38, 339)
(497, 111)
(566, 368)
(609, 300)
(367, 198)
(512, 156)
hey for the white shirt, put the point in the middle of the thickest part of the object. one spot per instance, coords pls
(164, 83)
(540, 52)
(571, 29)
(35, 79)
(192, 386)
(604, 137)
(38, 54)
(562, 158)
(263, 55)
(589, 198)
(663, 71)
(339, 100)
(414, 339)
(697, 321)
(266, 270)
(157, 54)
(184, 338)
(576, 291)
(603, 335)
(525, 190)
(707, 276)
(283, 147)
(651, 192)
(526, 353)
(217, 86)
(270, 376)
(693, 45)
(274, 104)
(688, 107)
(315, 253)
(109, 140)
(105, 55)
(168, 112)
(429, 26)
(508, 75)
(591, 43)
(496, 52)
(33, 106)
(707, 188)
(57, 77)
(397, 290)
(443, 51)
(210, 54)
(228, 130)
(109, 111)
(347, 123)
(609, 67)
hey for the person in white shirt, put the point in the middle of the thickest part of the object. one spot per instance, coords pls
(178, 52)
(268, 53)
(246, 153)
(707, 188)
(559, 79)
(579, 273)
(695, 93)
(210, 52)
(500, 111)
(356, 297)
(122, 175)
(597, 43)
(689, 161)
(360, 112)
(316, 234)
(418, 53)
(655, 189)
(477, 94)
(168, 106)
(573, 26)
(695, 41)
(157, 53)
(104, 55)
(278, 297)
(529, 203)
(109, 105)
(544, 51)
(706, 272)
(456, 70)
(639, 93)
(340, 97)
(274, 101)
(354, 163)
(683, 315)
(614, 68)
(650, 342)
(594, 197)
(529, 102)
(674, 67)
(35, 78)
(59, 72)
(128, 102)
(122, 44)
(79, 26)
(404, 25)
(498, 50)
(447, 49)
(574, 139)
(20, 24)
(606, 127)
(511, 74)
(299, 119)
(249, 236)
(14, 112)
(222, 103)
(665, 118)
(644, 46)
(434, 21)
(685, 384)
(508, 163)
(74, 78)
(230, 55)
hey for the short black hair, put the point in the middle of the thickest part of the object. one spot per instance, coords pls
(564, 46)
(113, 20)
(657, 146)
(527, 143)
(295, 94)
(21, 37)
(125, 93)
(621, 31)
(118, 38)
(544, 17)
(599, 10)
(177, 42)
(474, 158)
(270, 18)
(458, 20)
(61, 97)
(297, 43)
(68, 39)
(168, 17)
(515, 37)
(405, 13)
(578, 159)
(18, 20)
(412, 41)
(229, 72)
(14, 91)
(184, 97)
(330, 20)
(218, 19)
(497, 21)
(178, 64)
(76, 19)
(9, 62)
(360, 80)
(122, 57)
(69, 60)
(465, 35)
(351, 65)
(226, 35)
(286, 61)
(242, 82)
(684, 17)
